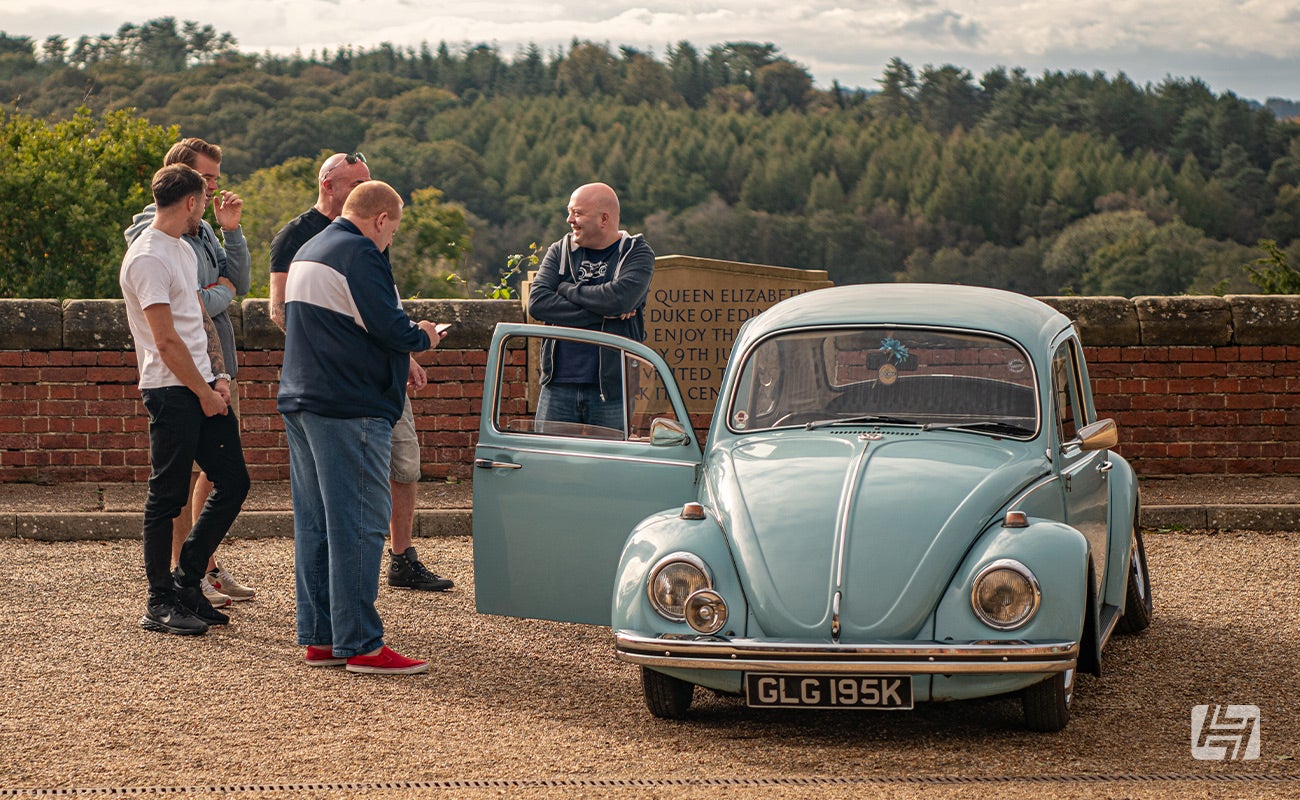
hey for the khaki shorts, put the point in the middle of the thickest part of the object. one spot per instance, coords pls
(234, 397)
(404, 465)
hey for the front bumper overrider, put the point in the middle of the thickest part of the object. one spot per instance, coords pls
(892, 657)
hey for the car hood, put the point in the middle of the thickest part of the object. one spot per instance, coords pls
(884, 521)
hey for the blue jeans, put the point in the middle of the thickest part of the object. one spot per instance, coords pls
(579, 402)
(179, 436)
(338, 472)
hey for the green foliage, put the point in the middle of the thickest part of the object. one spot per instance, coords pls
(726, 152)
(503, 288)
(433, 237)
(67, 191)
(1272, 272)
(272, 197)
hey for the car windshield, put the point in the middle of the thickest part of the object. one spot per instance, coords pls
(927, 377)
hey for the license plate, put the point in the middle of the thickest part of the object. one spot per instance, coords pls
(882, 692)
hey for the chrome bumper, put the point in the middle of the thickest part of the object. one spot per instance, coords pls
(941, 658)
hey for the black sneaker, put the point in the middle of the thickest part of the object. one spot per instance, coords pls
(405, 571)
(192, 600)
(167, 616)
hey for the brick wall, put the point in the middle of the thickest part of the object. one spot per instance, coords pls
(1198, 385)
(70, 409)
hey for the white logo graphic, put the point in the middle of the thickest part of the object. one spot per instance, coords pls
(1227, 729)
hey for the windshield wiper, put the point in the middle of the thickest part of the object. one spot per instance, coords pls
(988, 425)
(821, 423)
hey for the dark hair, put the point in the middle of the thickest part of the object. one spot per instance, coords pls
(186, 152)
(173, 183)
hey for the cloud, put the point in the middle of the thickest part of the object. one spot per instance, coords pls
(1247, 46)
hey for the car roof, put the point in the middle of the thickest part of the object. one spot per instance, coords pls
(1017, 316)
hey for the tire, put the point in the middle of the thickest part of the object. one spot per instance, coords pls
(1137, 596)
(666, 697)
(1047, 704)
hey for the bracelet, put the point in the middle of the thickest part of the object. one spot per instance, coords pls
(222, 376)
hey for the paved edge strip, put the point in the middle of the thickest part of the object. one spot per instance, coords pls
(103, 525)
(100, 525)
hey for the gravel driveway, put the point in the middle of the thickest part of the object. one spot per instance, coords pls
(514, 708)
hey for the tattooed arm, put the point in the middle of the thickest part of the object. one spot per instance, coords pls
(215, 358)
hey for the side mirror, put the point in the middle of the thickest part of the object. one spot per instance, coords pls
(1100, 435)
(666, 432)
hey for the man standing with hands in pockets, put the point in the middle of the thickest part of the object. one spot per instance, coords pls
(342, 386)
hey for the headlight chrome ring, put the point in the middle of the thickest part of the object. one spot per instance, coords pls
(1005, 595)
(706, 611)
(674, 579)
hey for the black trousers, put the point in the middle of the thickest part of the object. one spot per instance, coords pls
(180, 435)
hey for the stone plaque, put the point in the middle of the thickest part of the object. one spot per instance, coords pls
(696, 306)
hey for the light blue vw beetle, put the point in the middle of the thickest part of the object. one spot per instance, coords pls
(905, 496)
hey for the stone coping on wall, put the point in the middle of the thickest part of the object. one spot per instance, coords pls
(102, 325)
(42, 324)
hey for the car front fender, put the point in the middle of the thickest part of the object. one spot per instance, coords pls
(1054, 552)
(659, 536)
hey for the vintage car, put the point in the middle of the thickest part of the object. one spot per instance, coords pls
(905, 496)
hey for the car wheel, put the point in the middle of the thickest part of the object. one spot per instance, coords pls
(1047, 704)
(1137, 603)
(666, 697)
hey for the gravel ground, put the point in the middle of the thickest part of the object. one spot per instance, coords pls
(522, 708)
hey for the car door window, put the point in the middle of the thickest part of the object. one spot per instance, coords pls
(1071, 413)
(621, 408)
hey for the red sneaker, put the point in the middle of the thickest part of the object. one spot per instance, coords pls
(387, 662)
(322, 657)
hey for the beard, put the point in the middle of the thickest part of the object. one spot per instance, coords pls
(192, 228)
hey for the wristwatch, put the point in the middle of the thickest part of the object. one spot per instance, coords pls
(222, 376)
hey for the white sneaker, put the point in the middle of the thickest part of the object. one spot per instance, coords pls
(225, 583)
(216, 598)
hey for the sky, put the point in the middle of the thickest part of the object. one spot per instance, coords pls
(1248, 47)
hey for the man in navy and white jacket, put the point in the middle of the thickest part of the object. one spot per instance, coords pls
(596, 277)
(346, 356)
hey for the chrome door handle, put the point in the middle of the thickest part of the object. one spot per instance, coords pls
(1105, 466)
(483, 463)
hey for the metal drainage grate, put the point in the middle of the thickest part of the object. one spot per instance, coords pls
(232, 789)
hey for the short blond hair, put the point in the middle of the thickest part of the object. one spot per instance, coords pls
(371, 199)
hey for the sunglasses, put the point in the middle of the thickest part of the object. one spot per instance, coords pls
(349, 159)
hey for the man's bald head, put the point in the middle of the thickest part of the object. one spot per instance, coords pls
(376, 209)
(594, 216)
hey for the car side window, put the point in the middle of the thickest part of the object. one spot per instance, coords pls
(620, 402)
(1066, 392)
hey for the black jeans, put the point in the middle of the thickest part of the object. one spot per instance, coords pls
(179, 436)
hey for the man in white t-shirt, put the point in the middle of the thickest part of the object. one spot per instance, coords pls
(187, 396)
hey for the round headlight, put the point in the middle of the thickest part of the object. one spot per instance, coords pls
(1005, 595)
(673, 579)
(706, 611)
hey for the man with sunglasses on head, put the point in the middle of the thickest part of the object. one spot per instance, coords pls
(224, 273)
(338, 176)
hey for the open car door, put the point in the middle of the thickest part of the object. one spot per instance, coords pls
(554, 501)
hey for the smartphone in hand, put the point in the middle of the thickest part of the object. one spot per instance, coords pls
(442, 328)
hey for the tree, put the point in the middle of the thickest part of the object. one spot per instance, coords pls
(782, 86)
(272, 197)
(1273, 273)
(433, 240)
(67, 191)
(897, 96)
(588, 70)
(947, 99)
(688, 74)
